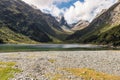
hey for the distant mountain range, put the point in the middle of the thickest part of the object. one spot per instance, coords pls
(22, 23)
(104, 29)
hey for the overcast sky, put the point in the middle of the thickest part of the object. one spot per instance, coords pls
(73, 10)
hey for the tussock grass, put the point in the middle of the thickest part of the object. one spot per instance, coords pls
(90, 74)
(7, 70)
(52, 60)
(9, 36)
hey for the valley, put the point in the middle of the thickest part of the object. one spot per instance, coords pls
(38, 44)
(28, 25)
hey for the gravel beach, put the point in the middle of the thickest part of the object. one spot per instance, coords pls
(49, 65)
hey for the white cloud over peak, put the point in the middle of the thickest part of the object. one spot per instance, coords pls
(50, 5)
(45, 4)
(86, 10)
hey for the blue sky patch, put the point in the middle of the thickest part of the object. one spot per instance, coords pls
(67, 5)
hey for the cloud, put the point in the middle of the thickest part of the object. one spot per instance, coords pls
(49, 5)
(86, 10)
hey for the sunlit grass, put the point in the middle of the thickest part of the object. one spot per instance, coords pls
(9, 36)
(56, 76)
(52, 60)
(89, 74)
(7, 70)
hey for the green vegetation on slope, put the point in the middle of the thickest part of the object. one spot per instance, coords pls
(8, 36)
(23, 19)
(111, 37)
(104, 29)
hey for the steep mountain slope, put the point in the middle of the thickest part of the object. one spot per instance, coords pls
(106, 22)
(23, 19)
(80, 25)
(111, 37)
(63, 24)
(9, 36)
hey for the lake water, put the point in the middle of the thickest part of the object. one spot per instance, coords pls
(49, 47)
(55, 45)
(66, 46)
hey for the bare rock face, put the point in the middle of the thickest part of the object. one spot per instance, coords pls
(63, 24)
(80, 25)
(115, 15)
(103, 10)
(109, 17)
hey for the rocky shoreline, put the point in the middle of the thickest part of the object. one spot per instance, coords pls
(54, 65)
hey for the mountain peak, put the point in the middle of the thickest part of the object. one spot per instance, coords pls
(104, 29)
(80, 25)
(63, 21)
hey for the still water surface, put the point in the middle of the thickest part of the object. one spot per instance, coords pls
(55, 45)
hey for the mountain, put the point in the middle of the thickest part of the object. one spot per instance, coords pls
(104, 29)
(80, 25)
(21, 18)
(63, 24)
(103, 10)
(9, 36)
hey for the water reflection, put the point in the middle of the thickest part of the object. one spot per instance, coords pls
(56, 45)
